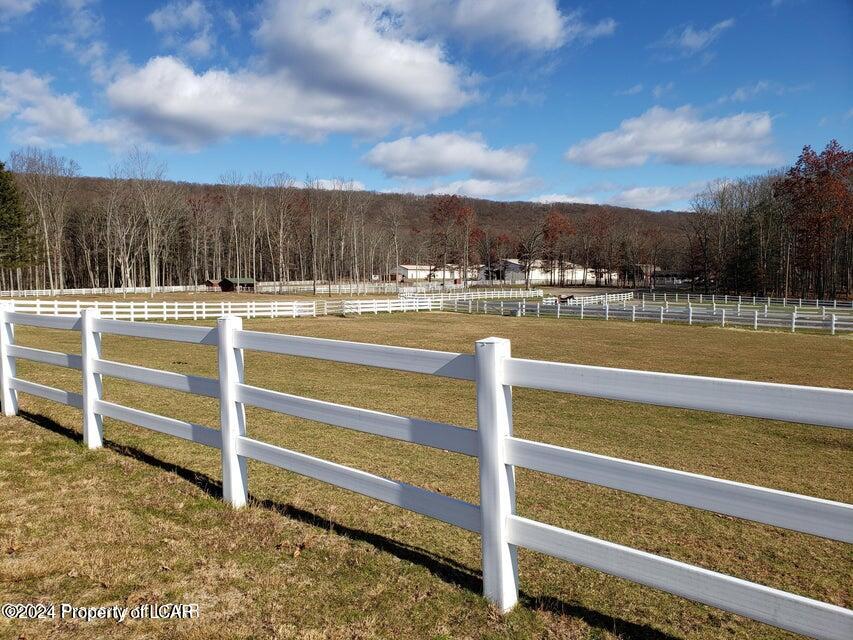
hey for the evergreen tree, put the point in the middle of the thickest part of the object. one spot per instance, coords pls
(16, 240)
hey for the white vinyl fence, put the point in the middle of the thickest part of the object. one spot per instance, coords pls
(585, 300)
(705, 298)
(165, 310)
(494, 371)
(476, 294)
(199, 310)
(834, 323)
(39, 293)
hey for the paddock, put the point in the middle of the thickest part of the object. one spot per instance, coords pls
(142, 518)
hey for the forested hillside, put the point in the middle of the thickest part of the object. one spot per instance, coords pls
(786, 232)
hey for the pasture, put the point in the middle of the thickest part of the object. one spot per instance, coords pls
(141, 520)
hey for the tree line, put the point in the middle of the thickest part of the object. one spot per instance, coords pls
(785, 232)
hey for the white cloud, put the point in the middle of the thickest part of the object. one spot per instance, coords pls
(528, 24)
(179, 106)
(749, 92)
(688, 41)
(180, 15)
(680, 136)
(552, 198)
(10, 9)
(661, 90)
(524, 96)
(336, 184)
(325, 67)
(578, 30)
(49, 118)
(357, 51)
(655, 197)
(186, 25)
(478, 188)
(646, 197)
(447, 153)
(631, 91)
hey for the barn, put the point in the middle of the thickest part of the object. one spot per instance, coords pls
(237, 284)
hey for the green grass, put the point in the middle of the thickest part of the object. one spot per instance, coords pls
(141, 521)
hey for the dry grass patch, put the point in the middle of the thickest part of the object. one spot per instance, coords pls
(141, 521)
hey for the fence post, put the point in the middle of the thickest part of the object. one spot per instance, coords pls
(661, 315)
(497, 479)
(690, 314)
(794, 321)
(7, 363)
(633, 314)
(93, 423)
(232, 415)
(723, 321)
(755, 320)
(833, 324)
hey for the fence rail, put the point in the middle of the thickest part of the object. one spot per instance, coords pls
(474, 294)
(200, 310)
(707, 298)
(495, 372)
(836, 322)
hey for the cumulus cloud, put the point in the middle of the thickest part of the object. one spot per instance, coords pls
(47, 118)
(325, 67)
(179, 106)
(687, 41)
(356, 50)
(447, 153)
(527, 24)
(680, 136)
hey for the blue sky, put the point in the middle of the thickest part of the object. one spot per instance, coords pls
(636, 103)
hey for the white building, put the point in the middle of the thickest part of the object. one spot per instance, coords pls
(414, 272)
(542, 272)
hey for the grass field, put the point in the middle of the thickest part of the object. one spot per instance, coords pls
(140, 520)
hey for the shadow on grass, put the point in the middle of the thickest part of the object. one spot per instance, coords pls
(442, 567)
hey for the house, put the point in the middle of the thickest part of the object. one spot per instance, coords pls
(213, 285)
(237, 284)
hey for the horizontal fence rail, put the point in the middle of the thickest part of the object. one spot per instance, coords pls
(631, 310)
(708, 298)
(494, 372)
(200, 310)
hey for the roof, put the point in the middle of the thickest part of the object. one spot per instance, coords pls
(239, 280)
